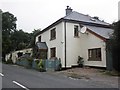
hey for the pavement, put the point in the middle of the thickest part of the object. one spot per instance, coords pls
(14, 76)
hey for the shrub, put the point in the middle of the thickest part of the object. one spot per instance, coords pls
(80, 61)
(9, 61)
(3, 60)
(30, 60)
(115, 46)
(41, 66)
(37, 61)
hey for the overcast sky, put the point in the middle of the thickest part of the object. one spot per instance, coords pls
(38, 14)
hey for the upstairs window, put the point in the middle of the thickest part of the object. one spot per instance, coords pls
(76, 33)
(94, 54)
(39, 39)
(53, 52)
(53, 34)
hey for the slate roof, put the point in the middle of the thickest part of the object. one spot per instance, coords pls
(104, 32)
(85, 18)
(97, 26)
(41, 45)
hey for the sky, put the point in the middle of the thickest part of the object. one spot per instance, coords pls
(38, 14)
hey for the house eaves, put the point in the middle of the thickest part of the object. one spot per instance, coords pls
(88, 23)
(74, 17)
(50, 26)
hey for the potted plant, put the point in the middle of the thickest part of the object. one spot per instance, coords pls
(80, 61)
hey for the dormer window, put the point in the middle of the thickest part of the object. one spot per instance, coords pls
(53, 34)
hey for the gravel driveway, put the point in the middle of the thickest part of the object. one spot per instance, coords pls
(97, 76)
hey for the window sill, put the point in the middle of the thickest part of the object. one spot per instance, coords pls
(52, 39)
(94, 60)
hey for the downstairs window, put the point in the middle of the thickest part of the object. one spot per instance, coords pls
(94, 54)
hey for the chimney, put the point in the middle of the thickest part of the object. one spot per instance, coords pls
(68, 10)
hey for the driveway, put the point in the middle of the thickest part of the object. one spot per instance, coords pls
(92, 75)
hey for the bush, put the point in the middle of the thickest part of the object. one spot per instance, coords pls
(80, 61)
(41, 66)
(30, 60)
(37, 61)
(115, 45)
(3, 60)
(9, 61)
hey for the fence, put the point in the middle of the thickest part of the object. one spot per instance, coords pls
(53, 64)
(23, 62)
(48, 64)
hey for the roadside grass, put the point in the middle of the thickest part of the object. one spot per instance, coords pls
(110, 73)
(8, 62)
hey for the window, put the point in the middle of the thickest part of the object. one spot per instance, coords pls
(53, 52)
(94, 54)
(76, 33)
(39, 38)
(53, 34)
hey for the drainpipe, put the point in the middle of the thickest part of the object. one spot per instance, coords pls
(65, 41)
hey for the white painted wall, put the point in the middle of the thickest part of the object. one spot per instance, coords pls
(79, 47)
(75, 46)
(58, 42)
(91, 41)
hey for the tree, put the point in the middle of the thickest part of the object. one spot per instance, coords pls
(13, 39)
(115, 45)
(8, 22)
(32, 43)
(8, 26)
(20, 40)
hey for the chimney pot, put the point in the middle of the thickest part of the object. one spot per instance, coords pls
(68, 10)
(67, 7)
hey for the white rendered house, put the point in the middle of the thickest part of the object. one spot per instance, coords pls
(65, 40)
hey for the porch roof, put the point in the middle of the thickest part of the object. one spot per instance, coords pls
(42, 45)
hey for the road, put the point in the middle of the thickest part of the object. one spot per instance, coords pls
(14, 76)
